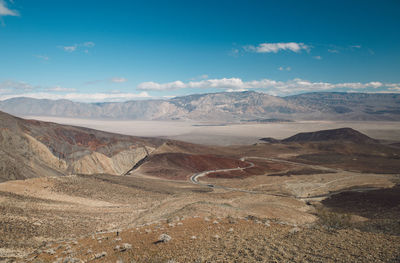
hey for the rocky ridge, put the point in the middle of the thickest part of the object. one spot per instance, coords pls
(34, 149)
(224, 106)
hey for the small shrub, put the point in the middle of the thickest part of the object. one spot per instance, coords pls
(334, 220)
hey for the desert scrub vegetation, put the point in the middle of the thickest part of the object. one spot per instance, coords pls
(333, 220)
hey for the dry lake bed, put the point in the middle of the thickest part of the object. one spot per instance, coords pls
(225, 133)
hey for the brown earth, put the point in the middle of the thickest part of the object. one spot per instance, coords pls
(42, 210)
(180, 166)
(44, 213)
(361, 163)
(381, 207)
(227, 240)
(260, 168)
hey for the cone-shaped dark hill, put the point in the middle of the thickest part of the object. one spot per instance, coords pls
(342, 134)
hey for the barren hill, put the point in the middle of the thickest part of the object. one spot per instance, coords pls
(32, 148)
(341, 134)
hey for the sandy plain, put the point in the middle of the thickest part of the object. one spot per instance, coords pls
(225, 133)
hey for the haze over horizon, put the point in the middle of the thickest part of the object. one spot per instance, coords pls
(133, 50)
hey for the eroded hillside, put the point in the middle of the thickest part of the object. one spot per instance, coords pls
(32, 148)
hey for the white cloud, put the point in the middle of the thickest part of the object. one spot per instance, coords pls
(83, 97)
(60, 89)
(392, 85)
(88, 44)
(376, 84)
(5, 11)
(225, 83)
(276, 47)
(70, 48)
(333, 51)
(16, 85)
(12, 89)
(118, 80)
(169, 96)
(5, 90)
(270, 86)
(234, 52)
(395, 89)
(75, 47)
(317, 57)
(46, 58)
(236, 90)
(156, 86)
(285, 68)
(19, 87)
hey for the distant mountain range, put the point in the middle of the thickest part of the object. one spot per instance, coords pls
(225, 106)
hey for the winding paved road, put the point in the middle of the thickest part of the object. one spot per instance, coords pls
(194, 178)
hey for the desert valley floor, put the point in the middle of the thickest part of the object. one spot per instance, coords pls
(220, 133)
(326, 196)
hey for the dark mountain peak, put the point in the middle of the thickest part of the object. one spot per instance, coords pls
(341, 134)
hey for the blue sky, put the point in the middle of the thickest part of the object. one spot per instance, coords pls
(93, 50)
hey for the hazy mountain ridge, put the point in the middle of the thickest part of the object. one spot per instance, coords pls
(362, 106)
(224, 106)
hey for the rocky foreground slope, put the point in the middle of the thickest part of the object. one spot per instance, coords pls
(272, 212)
(205, 239)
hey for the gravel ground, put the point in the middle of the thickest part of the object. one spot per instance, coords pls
(202, 239)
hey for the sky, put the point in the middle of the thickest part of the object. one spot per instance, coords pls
(96, 51)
